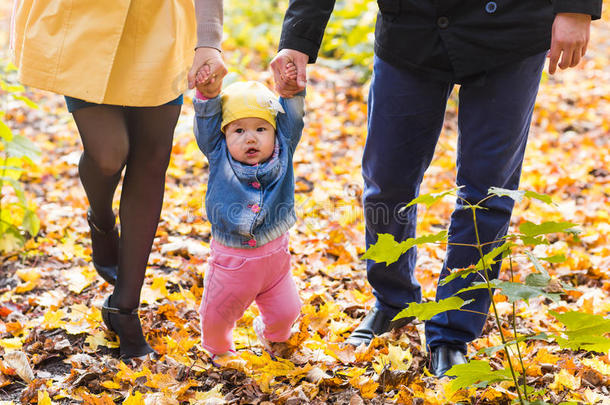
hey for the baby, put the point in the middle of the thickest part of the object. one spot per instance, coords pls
(249, 138)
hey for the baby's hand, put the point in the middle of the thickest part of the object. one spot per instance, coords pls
(209, 83)
(290, 73)
(202, 75)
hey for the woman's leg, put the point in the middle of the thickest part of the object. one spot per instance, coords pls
(151, 131)
(103, 131)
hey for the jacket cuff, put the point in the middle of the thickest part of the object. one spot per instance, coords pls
(306, 46)
(591, 7)
(207, 107)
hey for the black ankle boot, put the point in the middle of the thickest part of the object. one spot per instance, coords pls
(126, 324)
(104, 250)
(442, 358)
(375, 323)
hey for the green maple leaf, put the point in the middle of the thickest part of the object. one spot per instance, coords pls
(430, 198)
(554, 259)
(387, 250)
(463, 273)
(530, 229)
(437, 237)
(518, 195)
(518, 291)
(476, 372)
(427, 310)
(583, 331)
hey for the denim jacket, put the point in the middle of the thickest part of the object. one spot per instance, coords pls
(249, 206)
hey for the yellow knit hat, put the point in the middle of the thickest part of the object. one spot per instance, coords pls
(249, 99)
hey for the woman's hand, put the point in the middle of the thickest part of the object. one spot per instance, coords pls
(207, 72)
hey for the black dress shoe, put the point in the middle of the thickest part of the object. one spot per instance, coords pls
(376, 322)
(104, 250)
(443, 358)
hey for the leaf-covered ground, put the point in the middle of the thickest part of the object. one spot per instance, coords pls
(50, 295)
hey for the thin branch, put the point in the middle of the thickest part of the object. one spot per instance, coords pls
(493, 305)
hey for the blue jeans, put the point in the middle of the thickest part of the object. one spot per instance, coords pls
(405, 117)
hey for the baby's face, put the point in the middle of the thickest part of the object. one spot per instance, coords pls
(250, 140)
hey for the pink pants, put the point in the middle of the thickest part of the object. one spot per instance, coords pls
(237, 277)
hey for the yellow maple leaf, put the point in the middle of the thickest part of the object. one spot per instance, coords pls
(48, 299)
(345, 354)
(379, 364)
(159, 398)
(403, 396)
(11, 343)
(491, 394)
(98, 338)
(359, 296)
(77, 281)
(9, 242)
(160, 381)
(565, 380)
(179, 343)
(365, 353)
(31, 274)
(43, 398)
(368, 387)
(82, 319)
(397, 357)
(111, 385)
(542, 356)
(53, 319)
(591, 397)
(23, 288)
(134, 398)
(212, 396)
(89, 399)
(598, 365)
(264, 363)
(157, 291)
(183, 296)
(353, 374)
(127, 374)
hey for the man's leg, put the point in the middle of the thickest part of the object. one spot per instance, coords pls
(493, 123)
(405, 118)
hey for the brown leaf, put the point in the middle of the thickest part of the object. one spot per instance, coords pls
(356, 400)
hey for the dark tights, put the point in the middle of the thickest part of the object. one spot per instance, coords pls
(138, 139)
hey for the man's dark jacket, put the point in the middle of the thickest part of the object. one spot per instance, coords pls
(447, 39)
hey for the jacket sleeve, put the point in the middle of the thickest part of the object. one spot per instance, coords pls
(304, 25)
(591, 7)
(290, 123)
(208, 117)
(209, 23)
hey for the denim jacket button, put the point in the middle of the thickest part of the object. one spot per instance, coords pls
(255, 208)
(251, 242)
(256, 184)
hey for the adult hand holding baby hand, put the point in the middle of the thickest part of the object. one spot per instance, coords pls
(207, 72)
(285, 84)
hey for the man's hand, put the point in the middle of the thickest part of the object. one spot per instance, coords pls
(285, 86)
(207, 72)
(569, 40)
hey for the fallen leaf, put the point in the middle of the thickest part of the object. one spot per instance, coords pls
(18, 361)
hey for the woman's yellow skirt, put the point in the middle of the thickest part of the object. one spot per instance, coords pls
(124, 52)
